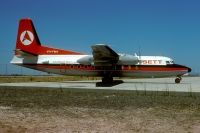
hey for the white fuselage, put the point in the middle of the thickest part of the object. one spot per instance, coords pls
(73, 59)
(146, 66)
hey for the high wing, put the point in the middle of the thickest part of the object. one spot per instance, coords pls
(104, 56)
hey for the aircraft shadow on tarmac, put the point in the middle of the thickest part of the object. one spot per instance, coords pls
(98, 84)
(135, 82)
(117, 82)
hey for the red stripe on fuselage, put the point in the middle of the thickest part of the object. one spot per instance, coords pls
(117, 68)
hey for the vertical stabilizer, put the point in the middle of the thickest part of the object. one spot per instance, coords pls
(27, 38)
(28, 42)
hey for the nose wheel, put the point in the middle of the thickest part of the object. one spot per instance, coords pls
(178, 80)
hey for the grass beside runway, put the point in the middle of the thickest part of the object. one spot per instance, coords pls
(78, 110)
(22, 97)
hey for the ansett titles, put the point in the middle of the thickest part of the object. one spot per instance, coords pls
(150, 62)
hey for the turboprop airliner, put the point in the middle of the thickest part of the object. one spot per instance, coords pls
(103, 62)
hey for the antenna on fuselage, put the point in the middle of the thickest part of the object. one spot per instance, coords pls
(139, 53)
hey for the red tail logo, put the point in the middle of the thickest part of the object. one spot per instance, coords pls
(26, 37)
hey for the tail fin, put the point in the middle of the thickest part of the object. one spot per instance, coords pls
(27, 38)
(28, 42)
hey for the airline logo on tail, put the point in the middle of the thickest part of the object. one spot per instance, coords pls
(26, 37)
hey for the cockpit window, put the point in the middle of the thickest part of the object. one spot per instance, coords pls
(167, 62)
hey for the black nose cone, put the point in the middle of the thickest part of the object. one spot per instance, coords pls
(189, 69)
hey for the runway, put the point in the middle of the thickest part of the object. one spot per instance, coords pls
(188, 84)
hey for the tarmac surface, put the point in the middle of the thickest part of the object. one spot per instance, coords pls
(188, 84)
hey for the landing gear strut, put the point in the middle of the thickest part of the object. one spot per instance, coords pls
(178, 80)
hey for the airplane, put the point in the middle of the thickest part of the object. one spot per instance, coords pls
(104, 61)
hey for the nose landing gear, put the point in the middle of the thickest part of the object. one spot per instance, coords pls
(178, 80)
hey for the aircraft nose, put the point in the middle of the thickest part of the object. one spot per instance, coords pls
(189, 69)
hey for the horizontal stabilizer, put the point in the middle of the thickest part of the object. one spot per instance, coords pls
(21, 53)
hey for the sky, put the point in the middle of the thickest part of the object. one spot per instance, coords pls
(154, 27)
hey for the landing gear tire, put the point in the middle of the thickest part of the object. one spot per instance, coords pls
(178, 80)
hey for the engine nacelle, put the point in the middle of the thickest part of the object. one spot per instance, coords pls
(87, 60)
(126, 59)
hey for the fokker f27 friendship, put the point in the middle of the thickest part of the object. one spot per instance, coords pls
(104, 62)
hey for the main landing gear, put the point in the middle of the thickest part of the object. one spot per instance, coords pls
(107, 81)
(178, 79)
